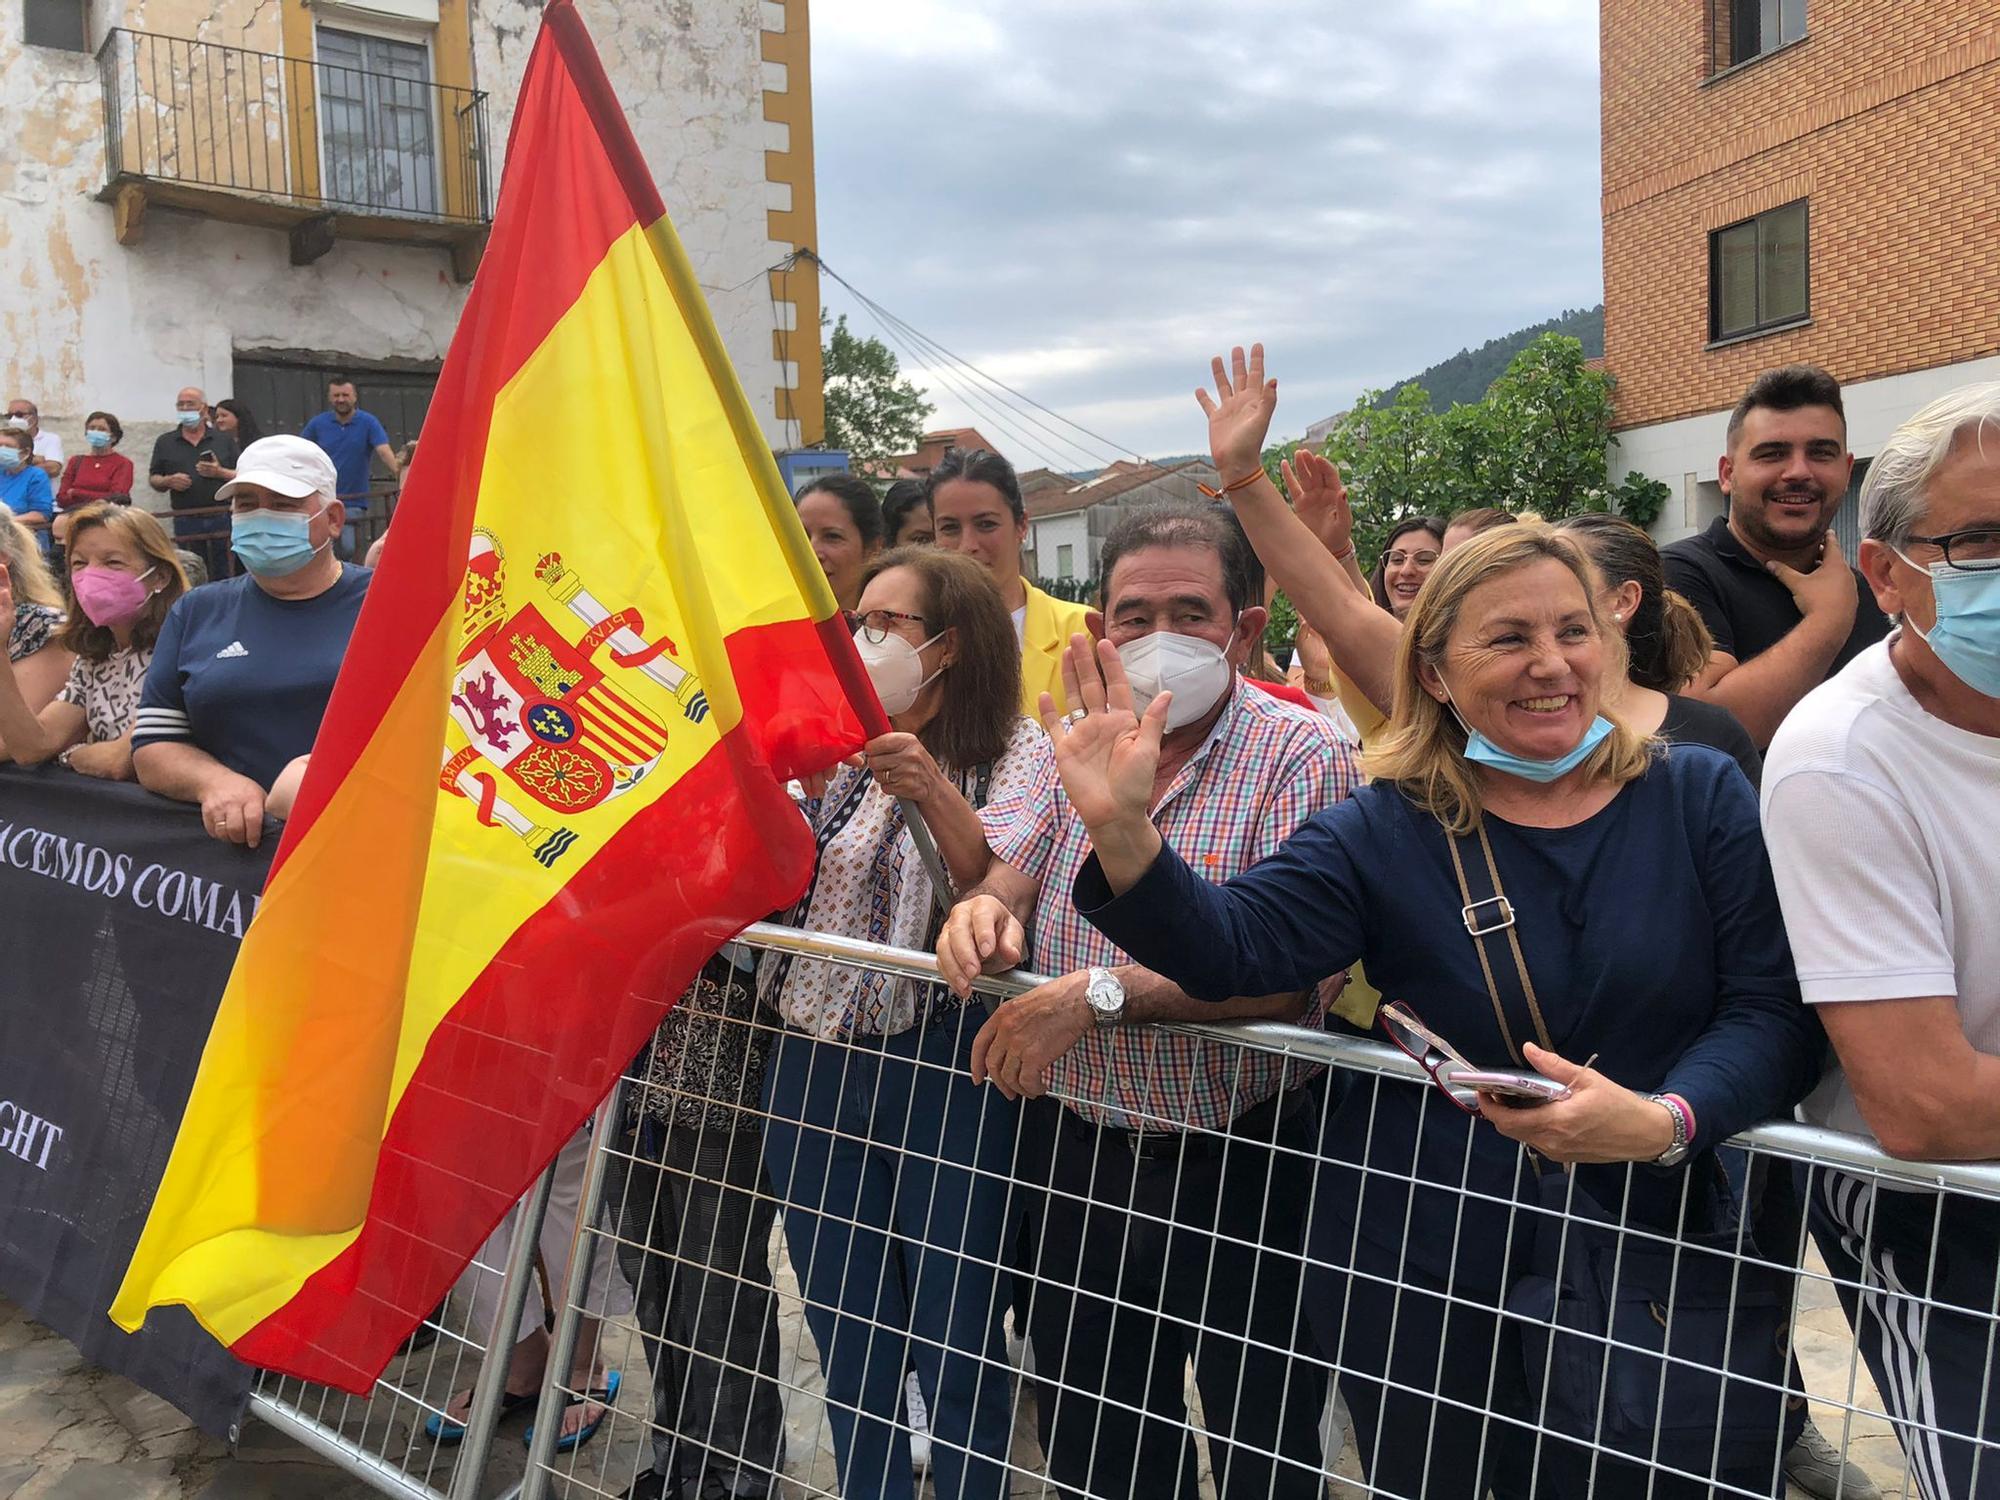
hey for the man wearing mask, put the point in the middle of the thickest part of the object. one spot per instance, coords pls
(243, 669)
(24, 416)
(1882, 813)
(1785, 609)
(1152, 1129)
(187, 466)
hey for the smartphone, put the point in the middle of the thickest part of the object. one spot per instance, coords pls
(207, 455)
(1519, 1090)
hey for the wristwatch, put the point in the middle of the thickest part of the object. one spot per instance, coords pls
(1105, 996)
(1676, 1153)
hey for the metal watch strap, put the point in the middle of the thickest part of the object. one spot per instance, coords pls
(1677, 1151)
(1095, 978)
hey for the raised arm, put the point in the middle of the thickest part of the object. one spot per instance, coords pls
(31, 732)
(1362, 637)
(1279, 928)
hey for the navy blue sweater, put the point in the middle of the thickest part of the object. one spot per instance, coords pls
(1651, 931)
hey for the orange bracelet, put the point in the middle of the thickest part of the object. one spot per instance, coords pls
(1244, 483)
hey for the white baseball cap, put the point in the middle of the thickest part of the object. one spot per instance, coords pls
(293, 466)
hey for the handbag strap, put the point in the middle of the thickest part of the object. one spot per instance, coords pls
(1489, 917)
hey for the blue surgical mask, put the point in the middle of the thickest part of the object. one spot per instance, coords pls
(273, 545)
(97, 437)
(11, 458)
(1966, 634)
(188, 418)
(1483, 752)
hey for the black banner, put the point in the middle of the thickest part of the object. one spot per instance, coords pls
(119, 920)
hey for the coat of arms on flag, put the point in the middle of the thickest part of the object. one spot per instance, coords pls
(533, 702)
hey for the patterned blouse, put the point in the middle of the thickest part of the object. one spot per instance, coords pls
(870, 884)
(34, 627)
(108, 691)
(705, 1067)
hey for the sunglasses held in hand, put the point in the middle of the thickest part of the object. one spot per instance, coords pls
(1461, 1081)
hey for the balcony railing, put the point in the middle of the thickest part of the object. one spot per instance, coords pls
(192, 122)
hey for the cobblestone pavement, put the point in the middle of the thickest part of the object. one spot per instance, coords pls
(69, 1431)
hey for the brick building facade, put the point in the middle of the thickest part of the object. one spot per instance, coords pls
(1791, 180)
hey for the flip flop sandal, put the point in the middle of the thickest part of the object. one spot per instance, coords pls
(605, 1396)
(444, 1431)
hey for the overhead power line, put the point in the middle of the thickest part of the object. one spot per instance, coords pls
(994, 392)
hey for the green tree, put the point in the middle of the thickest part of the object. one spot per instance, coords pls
(1536, 442)
(1394, 460)
(871, 412)
(1548, 420)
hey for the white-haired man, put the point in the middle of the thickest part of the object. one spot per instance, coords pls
(1882, 811)
(243, 669)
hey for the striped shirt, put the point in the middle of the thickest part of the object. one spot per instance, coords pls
(246, 676)
(1264, 769)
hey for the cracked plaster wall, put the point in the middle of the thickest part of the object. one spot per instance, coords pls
(86, 322)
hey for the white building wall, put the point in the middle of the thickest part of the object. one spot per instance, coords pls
(1683, 455)
(88, 323)
(1048, 533)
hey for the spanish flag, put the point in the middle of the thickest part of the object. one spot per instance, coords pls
(549, 785)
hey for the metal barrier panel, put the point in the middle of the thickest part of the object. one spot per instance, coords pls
(1234, 1282)
(390, 1440)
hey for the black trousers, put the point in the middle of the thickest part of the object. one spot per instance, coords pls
(1441, 1410)
(693, 1213)
(1919, 1277)
(1148, 1257)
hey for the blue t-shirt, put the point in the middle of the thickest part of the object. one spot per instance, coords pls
(246, 677)
(350, 446)
(27, 493)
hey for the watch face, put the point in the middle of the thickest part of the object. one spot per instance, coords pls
(1105, 994)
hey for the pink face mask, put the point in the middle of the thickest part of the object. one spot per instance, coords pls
(108, 597)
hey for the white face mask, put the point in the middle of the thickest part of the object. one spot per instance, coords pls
(1195, 671)
(895, 668)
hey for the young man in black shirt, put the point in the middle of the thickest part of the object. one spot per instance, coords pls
(1785, 609)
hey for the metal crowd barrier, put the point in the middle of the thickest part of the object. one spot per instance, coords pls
(382, 1440)
(696, 1179)
(701, 1183)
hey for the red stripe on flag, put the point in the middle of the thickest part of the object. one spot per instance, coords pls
(518, 1064)
(513, 1071)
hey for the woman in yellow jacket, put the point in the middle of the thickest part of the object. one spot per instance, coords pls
(976, 509)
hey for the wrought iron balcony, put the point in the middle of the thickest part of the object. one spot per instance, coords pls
(324, 148)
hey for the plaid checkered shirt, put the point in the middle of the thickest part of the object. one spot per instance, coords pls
(1265, 768)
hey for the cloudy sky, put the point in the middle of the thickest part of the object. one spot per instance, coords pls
(1085, 197)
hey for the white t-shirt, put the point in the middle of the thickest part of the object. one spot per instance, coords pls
(1020, 624)
(1884, 829)
(49, 446)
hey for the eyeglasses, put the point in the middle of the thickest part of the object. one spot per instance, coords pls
(1976, 550)
(878, 623)
(1422, 559)
(1430, 1052)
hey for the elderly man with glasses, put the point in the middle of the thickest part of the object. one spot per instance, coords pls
(24, 416)
(1882, 812)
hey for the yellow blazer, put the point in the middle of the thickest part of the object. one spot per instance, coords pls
(1045, 633)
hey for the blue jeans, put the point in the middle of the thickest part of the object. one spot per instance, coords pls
(893, 1167)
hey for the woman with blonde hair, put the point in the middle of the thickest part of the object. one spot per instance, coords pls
(123, 576)
(33, 615)
(1565, 900)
